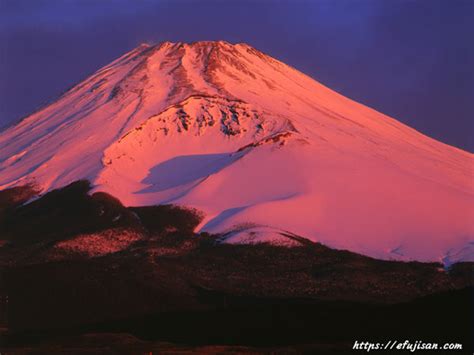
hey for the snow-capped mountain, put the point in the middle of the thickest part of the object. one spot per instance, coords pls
(262, 149)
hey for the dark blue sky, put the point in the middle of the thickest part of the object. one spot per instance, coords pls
(412, 60)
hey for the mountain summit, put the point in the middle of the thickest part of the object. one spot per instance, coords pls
(266, 152)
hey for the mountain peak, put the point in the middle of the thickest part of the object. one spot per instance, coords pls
(193, 44)
(201, 43)
(256, 145)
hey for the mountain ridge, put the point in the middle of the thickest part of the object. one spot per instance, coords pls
(250, 141)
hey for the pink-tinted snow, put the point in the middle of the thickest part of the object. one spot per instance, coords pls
(251, 142)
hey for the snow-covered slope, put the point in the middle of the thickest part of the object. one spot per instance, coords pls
(262, 149)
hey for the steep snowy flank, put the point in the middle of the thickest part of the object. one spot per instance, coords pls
(263, 150)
